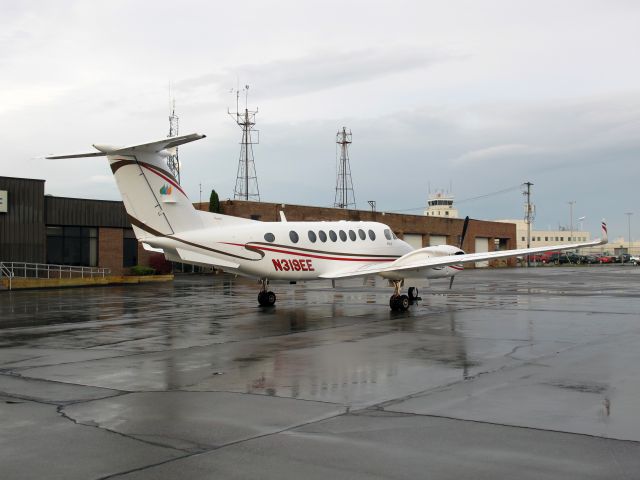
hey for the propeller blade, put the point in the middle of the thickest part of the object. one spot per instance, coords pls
(464, 231)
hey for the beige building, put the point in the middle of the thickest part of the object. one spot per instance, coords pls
(543, 238)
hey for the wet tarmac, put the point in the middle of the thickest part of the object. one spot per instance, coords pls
(512, 374)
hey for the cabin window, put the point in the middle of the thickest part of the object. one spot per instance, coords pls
(293, 236)
(343, 235)
(361, 234)
(372, 235)
(269, 237)
(352, 235)
(333, 236)
(312, 236)
(387, 234)
(394, 236)
(323, 236)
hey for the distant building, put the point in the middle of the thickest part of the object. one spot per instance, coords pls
(543, 238)
(440, 204)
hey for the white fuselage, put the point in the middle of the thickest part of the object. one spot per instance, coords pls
(295, 251)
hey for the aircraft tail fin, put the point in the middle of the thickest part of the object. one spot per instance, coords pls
(155, 202)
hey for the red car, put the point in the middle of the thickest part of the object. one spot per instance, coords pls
(547, 257)
(605, 259)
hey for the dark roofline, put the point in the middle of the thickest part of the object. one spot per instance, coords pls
(83, 199)
(22, 178)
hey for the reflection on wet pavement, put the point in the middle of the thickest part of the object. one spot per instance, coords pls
(504, 347)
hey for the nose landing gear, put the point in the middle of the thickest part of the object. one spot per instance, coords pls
(266, 298)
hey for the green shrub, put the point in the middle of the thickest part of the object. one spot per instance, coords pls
(142, 270)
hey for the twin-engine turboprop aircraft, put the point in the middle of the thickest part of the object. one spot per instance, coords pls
(164, 220)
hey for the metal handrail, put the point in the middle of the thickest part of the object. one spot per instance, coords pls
(6, 273)
(46, 270)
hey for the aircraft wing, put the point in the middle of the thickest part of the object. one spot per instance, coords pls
(398, 267)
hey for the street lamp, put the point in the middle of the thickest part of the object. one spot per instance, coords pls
(571, 203)
(628, 214)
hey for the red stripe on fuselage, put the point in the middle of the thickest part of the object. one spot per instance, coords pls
(322, 257)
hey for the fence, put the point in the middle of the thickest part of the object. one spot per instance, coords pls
(42, 270)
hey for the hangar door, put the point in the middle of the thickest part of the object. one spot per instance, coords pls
(482, 245)
(437, 240)
(413, 239)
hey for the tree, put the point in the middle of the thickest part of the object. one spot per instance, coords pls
(214, 202)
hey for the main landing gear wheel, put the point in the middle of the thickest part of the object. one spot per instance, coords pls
(266, 299)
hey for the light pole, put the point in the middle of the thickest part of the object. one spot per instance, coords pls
(571, 217)
(628, 214)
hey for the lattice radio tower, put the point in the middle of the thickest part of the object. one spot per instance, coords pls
(345, 196)
(246, 181)
(172, 161)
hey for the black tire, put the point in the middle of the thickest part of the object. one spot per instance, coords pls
(413, 293)
(394, 303)
(403, 302)
(270, 299)
(262, 298)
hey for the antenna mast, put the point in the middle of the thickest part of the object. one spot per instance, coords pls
(345, 196)
(247, 180)
(172, 161)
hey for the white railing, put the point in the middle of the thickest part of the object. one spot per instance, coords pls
(5, 272)
(44, 270)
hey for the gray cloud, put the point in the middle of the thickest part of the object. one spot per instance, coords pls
(318, 71)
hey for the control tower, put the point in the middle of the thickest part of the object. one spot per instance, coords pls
(440, 204)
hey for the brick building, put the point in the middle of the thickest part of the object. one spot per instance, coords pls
(417, 230)
(40, 228)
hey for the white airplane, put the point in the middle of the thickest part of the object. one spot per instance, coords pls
(164, 220)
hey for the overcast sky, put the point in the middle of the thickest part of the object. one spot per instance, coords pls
(482, 94)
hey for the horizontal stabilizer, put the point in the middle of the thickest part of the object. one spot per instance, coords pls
(150, 147)
(76, 155)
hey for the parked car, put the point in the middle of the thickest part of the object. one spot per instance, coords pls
(547, 257)
(559, 258)
(624, 258)
(590, 259)
(635, 259)
(605, 259)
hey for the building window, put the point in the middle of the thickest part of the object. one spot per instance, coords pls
(546, 239)
(523, 239)
(76, 246)
(255, 217)
(129, 248)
